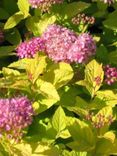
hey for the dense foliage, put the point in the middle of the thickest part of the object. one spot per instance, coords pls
(58, 77)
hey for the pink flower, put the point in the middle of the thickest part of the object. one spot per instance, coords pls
(28, 49)
(83, 48)
(15, 115)
(62, 44)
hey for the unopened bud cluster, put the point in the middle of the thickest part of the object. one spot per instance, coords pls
(83, 19)
(44, 5)
(110, 74)
(99, 120)
(15, 115)
(109, 1)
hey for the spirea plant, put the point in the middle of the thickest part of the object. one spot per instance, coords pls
(58, 78)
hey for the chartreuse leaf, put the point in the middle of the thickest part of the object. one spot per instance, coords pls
(64, 134)
(37, 25)
(18, 16)
(23, 6)
(44, 103)
(36, 67)
(47, 90)
(35, 149)
(105, 144)
(10, 72)
(94, 75)
(73, 153)
(21, 64)
(59, 120)
(59, 74)
(84, 139)
(15, 81)
(106, 111)
(14, 20)
(104, 98)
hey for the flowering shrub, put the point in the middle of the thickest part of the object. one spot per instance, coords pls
(15, 114)
(58, 78)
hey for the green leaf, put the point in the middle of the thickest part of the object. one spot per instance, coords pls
(82, 135)
(13, 6)
(113, 57)
(69, 10)
(114, 148)
(13, 36)
(102, 54)
(3, 14)
(23, 6)
(80, 107)
(68, 96)
(94, 75)
(6, 50)
(37, 25)
(59, 120)
(74, 8)
(105, 144)
(111, 21)
(59, 74)
(14, 20)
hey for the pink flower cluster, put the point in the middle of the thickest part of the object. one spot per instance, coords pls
(60, 44)
(1, 36)
(44, 5)
(28, 49)
(110, 74)
(83, 48)
(15, 115)
(63, 44)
